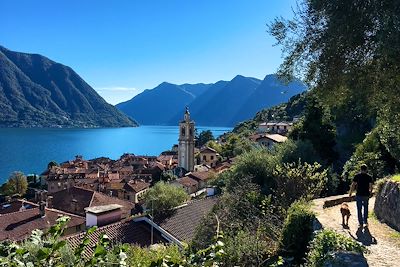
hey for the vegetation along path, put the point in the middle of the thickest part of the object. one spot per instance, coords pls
(382, 242)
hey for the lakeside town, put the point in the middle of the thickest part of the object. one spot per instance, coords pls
(200, 133)
(109, 193)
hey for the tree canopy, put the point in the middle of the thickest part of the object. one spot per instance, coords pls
(204, 137)
(349, 51)
(16, 184)
(163, 197)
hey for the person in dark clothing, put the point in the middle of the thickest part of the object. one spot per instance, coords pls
(363, 182)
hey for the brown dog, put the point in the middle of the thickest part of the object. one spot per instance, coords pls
(344, 209)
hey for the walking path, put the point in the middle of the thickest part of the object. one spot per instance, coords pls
(382, 241)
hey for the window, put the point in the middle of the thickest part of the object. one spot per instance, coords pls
(190, 132)
(212, 157)
(204, 157)
(183, 132)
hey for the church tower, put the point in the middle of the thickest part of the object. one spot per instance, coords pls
(186, 143)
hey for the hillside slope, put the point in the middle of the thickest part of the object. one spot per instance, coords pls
(38, 92)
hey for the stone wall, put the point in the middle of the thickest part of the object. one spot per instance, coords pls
(387, 204)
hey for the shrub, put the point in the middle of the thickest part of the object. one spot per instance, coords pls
(163, 197)
(137, 256)
(49, 250)
(379, 184)
(326, 243)
(247, 249)
(373, 153)
(292, 151)
(296, 181)
(396, 178)
(258, 164)
(297, 231)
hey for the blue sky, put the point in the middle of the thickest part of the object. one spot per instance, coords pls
(123, 47)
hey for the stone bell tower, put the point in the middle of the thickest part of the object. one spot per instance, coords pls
(186, 143)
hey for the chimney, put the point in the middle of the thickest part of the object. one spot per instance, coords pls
(74, 204)
(50, 202)
(42, 208)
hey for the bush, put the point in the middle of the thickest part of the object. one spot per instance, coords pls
(162, 198)
(258, 164)
(327, 242)
(247, 249)
(137, 256)
(292, 151)
(297, 231)
(49, 250)
(373, 153)
(295, 181)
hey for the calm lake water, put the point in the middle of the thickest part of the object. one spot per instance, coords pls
(29, 150)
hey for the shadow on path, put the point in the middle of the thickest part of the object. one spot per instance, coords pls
(364, 236)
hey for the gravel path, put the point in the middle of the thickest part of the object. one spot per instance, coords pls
(382, 241)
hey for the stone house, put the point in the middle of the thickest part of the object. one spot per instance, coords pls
(135, 189)
(208, 156)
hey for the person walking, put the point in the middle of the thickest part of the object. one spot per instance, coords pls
(363, 182)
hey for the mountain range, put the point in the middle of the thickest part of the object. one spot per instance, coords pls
(224, 103)
(38, 92)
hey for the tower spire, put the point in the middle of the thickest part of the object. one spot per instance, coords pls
(187, 114)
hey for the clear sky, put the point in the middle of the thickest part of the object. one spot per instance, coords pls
(123, 47)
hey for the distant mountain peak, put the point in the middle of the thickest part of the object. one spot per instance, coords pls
(38, 92)
(223, 103)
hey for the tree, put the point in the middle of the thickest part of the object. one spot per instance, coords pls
(162, 198)
(204, 137)
(16, 184)
(318, 128)
(348, 50)
(52, 164)
(349, 54)
(235, 145)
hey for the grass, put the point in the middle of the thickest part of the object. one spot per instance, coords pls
(372, 215)
(395, 235)
(396, 178)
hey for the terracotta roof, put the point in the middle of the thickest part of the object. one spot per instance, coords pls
(136, 186)
(203, 176)
(187, 181)
(63, 200)
(19, 225)
(158, 165)
(138, 233)
(208, 150)
(126, 168)
(184, 222)
(276, 137)
(165, 157)
(15, 205)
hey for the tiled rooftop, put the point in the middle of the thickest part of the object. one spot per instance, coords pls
(19, 225)
(184, 222)
(76, 199)
(138, 233)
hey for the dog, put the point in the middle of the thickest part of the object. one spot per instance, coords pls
(345, 211)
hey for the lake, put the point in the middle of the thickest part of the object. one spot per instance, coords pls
(29, 150)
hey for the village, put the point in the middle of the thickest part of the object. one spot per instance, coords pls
(109, 193)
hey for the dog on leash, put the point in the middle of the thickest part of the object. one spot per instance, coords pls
(345, 211)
